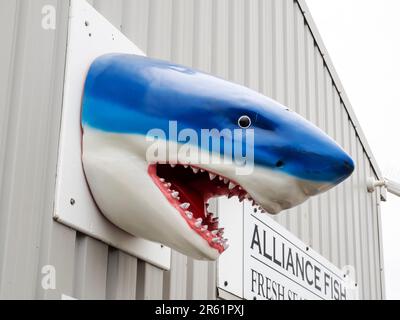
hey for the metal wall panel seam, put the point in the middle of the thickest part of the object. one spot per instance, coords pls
(369, 235)
(290, 83)
(90, 268)
(364, 222)
(380, 241)
(300, 80)
(133, 20)
(341, 195)
(376, 242)
(332, 199)
(10, 75)
(356, 214)
(57, 241)
(310, 102)
(279, 67)
(121, 275)
(149, 282)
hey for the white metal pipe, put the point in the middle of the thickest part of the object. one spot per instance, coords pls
(393, 187)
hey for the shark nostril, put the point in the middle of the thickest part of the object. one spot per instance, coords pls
(280, 164)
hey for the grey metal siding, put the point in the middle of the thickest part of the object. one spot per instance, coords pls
(31, 65)
(271, 46)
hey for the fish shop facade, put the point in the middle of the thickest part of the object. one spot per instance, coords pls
(270, 46)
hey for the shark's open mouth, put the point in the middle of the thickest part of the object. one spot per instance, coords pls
(188, 189)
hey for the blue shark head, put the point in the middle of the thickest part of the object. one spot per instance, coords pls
(133, 104)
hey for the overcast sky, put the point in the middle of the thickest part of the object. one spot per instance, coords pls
(363, 40)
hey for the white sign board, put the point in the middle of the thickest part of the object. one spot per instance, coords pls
(272, 264)
(90, 35)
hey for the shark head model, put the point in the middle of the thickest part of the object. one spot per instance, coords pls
(128, 96)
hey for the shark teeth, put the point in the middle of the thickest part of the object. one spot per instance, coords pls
(195, 170)
(205, 224)
(256, 206)
(185, 205)
(175, 194)
(189, 215)
(198, 223)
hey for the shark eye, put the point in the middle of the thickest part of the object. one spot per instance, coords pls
(244, 122)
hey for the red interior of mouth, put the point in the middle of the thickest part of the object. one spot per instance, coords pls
(186, 185)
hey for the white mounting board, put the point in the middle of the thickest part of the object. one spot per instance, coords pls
(90, 35)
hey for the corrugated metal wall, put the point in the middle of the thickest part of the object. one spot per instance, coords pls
(268, 45)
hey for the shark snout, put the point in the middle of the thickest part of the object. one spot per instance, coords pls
(348, 166)
(344, 167)
(333, 169)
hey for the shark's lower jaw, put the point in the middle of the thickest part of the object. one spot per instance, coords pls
(188, 189)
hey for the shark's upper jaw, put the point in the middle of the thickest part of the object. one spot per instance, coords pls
(188, 189)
